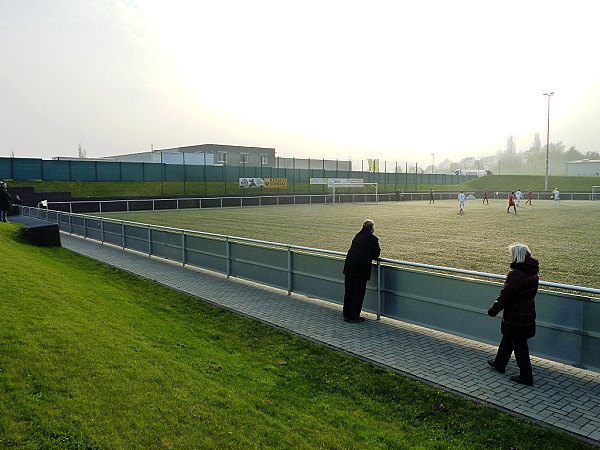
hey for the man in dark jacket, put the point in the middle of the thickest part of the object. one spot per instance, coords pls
(518, 320)
(357, 270)
(5, 201)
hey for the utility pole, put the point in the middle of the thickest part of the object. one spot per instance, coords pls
(548, 94)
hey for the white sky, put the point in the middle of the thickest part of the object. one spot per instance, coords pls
(395, 80)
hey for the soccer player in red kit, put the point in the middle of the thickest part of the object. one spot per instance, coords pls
(511, 202)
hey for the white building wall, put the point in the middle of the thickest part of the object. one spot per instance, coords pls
(584, 168)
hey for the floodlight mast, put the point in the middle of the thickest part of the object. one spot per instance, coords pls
(548, 94)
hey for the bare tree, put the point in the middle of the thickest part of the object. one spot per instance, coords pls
(511, 147)
(81, 151)
(537, 144)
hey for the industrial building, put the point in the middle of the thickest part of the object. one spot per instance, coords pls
(584, 168)
(229, 155)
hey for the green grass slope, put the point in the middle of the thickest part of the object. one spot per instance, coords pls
(91, 357)
(509, 183)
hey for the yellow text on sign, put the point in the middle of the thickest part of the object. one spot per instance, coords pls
(276, 182)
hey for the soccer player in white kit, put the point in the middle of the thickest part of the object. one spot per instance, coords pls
(518, 197)
(461, 202)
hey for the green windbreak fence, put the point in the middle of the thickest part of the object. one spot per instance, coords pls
(73, 170)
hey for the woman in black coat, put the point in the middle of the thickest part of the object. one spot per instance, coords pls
(5, 202)
(518, 320)
(357, 270)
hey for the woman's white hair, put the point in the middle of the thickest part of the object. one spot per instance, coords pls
(519, 252)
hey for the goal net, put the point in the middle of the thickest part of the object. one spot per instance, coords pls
(595, 192)
(370, 194)
(349, 189)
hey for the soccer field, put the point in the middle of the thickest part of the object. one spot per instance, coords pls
(565, 238)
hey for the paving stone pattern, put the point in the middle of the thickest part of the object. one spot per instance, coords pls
(563, 396)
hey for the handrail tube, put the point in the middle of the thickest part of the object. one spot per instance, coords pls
(328, 252)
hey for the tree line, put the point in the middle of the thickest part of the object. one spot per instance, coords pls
(528, 162)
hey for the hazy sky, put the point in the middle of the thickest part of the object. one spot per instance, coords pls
(395, 80)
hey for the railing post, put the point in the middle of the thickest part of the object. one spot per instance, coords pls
(183, 245)
(290, 263)
(228, 250)
(378, 289)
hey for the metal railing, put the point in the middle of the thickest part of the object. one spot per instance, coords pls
(127, 205)
(443, 298)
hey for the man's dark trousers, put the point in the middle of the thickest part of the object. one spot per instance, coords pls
(354, 295)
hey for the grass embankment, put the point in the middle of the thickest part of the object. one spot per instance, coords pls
(91, 357)
(508, 183)
(81, 189)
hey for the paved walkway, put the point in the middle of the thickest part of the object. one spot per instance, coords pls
(564, 397)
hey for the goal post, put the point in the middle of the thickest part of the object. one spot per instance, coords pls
(595, 192)
(334, 183)
(355, 185)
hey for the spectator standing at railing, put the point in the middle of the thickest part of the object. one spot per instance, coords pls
(517, 299)
(5, 202)
(357, 270)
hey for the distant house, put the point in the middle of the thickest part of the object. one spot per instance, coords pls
(584, 168)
